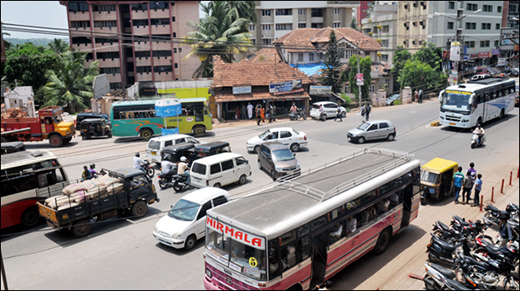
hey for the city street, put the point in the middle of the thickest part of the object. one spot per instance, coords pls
(122, 253)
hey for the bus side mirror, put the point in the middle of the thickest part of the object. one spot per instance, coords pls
(441, 94)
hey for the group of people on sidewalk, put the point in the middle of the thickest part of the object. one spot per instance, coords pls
(263, 113)
(466, 183)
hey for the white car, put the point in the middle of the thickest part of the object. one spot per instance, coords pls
(329, 110)
(156, 144)
(185, 223)
(285, 135)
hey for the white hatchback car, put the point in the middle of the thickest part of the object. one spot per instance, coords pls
(329, 110)
(284, 135)
(185, 222)
(156, 144)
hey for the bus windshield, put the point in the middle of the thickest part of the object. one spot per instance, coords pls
(456, 101)
(245, 259)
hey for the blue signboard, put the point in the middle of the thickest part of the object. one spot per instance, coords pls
(168, 107)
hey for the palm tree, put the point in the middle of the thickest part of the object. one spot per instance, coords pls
(70, 84)
(218, 33)
(58, 46)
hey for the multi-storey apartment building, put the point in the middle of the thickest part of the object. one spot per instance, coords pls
(382, 25)
(134, 41)
(412, 28)
(276, 18)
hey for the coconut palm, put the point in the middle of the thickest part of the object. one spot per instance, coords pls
(218, 33)
(70, 83)
(58, 46)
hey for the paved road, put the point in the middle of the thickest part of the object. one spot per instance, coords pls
(122, 254)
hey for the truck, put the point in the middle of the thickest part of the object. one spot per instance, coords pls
(48, 125)
(131, 194)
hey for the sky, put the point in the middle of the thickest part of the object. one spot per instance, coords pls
(37, 13)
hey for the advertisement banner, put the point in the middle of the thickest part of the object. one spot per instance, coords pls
(241, 90)
(495, 52)
(484, 55)
(286, 87)
(168, 107)
(320, 90)
(455, 51)
(359, 79)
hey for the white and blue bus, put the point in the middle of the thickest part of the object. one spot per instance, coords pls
(466, 105)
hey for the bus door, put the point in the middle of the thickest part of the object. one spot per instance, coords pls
(407, 205)
(319, 258)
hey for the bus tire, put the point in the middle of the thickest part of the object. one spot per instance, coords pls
(146, 133)
(56, 140)
(199, 130)
(383, 241)
(501, 114)
(139, 208)
(81, 228)
(30, 217)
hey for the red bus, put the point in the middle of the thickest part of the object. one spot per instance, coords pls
(302, 231)
(28, 177)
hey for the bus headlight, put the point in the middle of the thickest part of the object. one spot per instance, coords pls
(208, 273)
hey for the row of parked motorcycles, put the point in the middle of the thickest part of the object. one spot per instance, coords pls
(461, 256)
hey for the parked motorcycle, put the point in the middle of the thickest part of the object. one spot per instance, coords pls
(475, 141)
(443, 252)
(434, 274)
(180, 183)
(512, 209)
(297, 115)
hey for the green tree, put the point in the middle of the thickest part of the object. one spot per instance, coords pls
(217, 34)
(399, 60)
(331, 60)
(353, 24)
(70, 84)
(58, 46)
(365, 67)
(431, 55)
(417, 74)
(27, 65)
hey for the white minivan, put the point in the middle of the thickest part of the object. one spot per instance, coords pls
(156, 144)
(219, 170)
(185, 223)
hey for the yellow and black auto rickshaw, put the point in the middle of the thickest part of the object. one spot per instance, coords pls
(94, 127)
(436, 178)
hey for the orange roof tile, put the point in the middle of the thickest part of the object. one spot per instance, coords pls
(254, 73)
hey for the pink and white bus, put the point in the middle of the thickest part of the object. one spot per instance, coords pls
(301, 232)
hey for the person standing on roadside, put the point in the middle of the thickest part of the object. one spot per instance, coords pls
(321, 110)
(473, 171)
(262, 113)
(468, 185)
(250, 110)
(338, 114)
(478, 187)
(258, 115)
(367, 110)
(458, 179)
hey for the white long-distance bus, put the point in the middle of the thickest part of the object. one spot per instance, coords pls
(302, 231)
(476, 102)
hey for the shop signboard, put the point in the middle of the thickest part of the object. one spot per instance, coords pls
(286, 87)
(320, 90)
(241, 90)
(483, 55)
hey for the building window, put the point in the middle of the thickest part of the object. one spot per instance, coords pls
(176, 65)
(253, 41)
(471, 7)
(108, 24)
(158, 5)
(471, 25)
(451, 5)
(252, 27)
(142, 54)
(316, 25)
(499, 9)
(174, 50)
(347, 89)
(180, 50)
(486, 26)
(497, 26)
(174, 34)
(160, 21)
(116, 86)
(143, 69)
(336, 24)
(173, 19)
(470, 44)
(301, 11)
(284, 26)
(336, 11)
(114, 70)
(387, 84)
(496, 43)
(450, 25)
(311, 57)
(300, 57)
(386, 28)
(384, 42)
(103, 8)
(266, 27)
(283, 11)
(267, 41)
(487, 8)
(266, 12)
(484, 43)
(302, 25)
(164, 53)
(316, 12)
(163, 69)
(384, 58)
(79, 24)
(372, 88)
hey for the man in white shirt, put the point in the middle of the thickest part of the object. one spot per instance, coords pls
(183, 169)
(250, 110)
(167, 167)
(138, 162)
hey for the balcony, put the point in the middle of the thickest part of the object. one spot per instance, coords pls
(163, 76)
(161, 29)
(161, 46)
(142, 30)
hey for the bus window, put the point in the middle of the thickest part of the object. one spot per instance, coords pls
(318, 222)
(288, 255)
(274, 266)
(303, 249)
(287, 237)
(336, 232)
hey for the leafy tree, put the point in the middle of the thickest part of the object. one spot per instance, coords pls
(365, 67)
(58, 46)
(70, 84)
(431, 55)
(218, 33)
(417, 74)
(331, 60)
(399, 60)
(27, 65)
(353, 24)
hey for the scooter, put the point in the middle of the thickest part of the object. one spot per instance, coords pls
(298, 114)
(180, 183)
(475, 142)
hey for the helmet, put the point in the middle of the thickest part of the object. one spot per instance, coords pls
(92, 166)
(504, 215)
(137, 154)
(183, 159)
(166, 156)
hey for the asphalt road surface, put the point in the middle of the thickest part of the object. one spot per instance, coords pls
(122, 253)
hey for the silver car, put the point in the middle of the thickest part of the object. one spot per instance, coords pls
(278, 160)
(371, 130)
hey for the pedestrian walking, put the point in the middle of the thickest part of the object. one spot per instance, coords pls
(243, 111)
(468, 185)
(250, 110)
(262, 113)
(321, 110)
(478, 187)
(420, 96)
(268, 112)
(273, 112)
(338, 114)
(458, 179)
(367, 110)
(362, 112)
(416, 96)
(258, 115)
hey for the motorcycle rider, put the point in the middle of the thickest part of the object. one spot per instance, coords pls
(138, 163)
(479, 131)
(167, 167)
(93, 171)
(506, 234)
(86, 175)
(183, 169)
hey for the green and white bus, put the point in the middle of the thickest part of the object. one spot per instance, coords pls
(137, 118)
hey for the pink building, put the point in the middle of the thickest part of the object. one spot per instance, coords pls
(362, 11)
(134, 41)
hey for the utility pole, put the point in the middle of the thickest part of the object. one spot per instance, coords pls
(358, 71)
